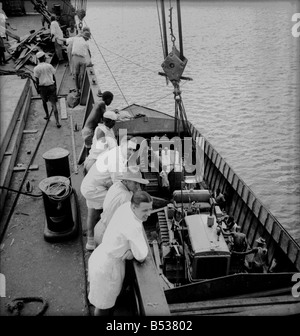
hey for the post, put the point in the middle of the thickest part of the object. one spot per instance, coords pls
(57, 162)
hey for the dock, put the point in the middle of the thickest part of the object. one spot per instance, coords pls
(33, 267)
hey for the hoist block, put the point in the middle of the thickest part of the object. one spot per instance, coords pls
(173, 66)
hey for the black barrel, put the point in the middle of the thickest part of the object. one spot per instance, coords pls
(56, 192)
(57, 10)
(57, 162)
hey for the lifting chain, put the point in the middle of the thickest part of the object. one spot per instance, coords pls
(173, 38)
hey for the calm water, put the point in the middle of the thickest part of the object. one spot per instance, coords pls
(244, 96)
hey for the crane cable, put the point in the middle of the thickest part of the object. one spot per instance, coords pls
(108, 67)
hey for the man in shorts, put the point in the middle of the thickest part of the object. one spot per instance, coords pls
(44, 74)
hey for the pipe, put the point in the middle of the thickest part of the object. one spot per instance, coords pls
(180, 30)
(164, 28)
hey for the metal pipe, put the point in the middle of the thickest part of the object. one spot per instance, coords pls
(179, 29)
(164, 29)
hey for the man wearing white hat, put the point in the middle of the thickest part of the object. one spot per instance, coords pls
(44, 74)
(99, 179)
(104, 139)
(94, 118)
(119, 193)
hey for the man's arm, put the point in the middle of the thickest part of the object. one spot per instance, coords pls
(98, 111)
(100, 134)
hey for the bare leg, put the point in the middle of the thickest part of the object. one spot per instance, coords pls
(55, 111)
(58, 50)
(104, 312)
(81, 75)
(93, 217)
(46, 110)
(77, 82)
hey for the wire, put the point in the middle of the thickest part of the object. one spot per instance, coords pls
(21, 192)
(128, 60)
(109, 69)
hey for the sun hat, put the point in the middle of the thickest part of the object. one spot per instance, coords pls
(110, 115)
(86, 34)
(85, 28)
(132, 175)
(40, 54)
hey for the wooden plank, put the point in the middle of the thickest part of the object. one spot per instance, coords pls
(9, 160)
(235, 284)
(269, 224)
(22, 55)
(265, 293)
(23, 167)
(151, 295)
(265, 310)
(63, 108)
(73, 144)
(29, 131)
(256, 208)
(251, 199)
(24, 60)
(273, 310)
(8, 132)
(231, 303)
(293, 251)
(284, 241)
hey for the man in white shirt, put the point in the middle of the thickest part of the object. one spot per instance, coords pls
(119, 193)
(57, 37)
(99, 179)
(123, 240)
(80, 57)
(69, 42)
(103, 139)
(44, 74)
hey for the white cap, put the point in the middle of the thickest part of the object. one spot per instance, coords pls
(40, 54)
(110, 115)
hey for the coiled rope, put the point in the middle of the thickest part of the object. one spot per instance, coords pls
(58, 191)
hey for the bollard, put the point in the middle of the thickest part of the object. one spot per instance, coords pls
(57, 162)
(57, 191)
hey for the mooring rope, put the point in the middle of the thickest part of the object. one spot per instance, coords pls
(58, 191)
